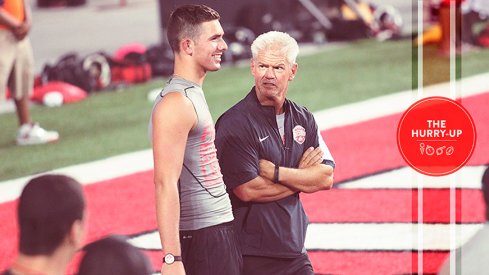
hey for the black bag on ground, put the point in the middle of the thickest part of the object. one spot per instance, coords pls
(91, 73)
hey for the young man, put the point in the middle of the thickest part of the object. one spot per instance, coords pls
(16, 69)
(193, 209)
(51, 215)
(270, 151)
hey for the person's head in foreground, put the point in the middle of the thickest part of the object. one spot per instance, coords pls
(113, 255)
(51, 218)
(485, 190)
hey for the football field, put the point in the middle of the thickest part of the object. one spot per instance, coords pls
(368, 224)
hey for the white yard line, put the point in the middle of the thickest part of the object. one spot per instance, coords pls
(87, 173)
(127, 164)
(405, 178)
(361, 236)
(394, 103)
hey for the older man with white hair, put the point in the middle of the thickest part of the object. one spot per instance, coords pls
(270, 151)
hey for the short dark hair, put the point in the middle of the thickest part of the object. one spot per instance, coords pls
(113, 255)
(48, 207)
(185, 22)
(485, 190)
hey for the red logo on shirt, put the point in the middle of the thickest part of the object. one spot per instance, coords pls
(299, 134)
(208, 158)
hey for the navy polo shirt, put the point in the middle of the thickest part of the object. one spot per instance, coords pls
(246, 133)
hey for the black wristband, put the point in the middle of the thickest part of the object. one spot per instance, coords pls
(275, 174)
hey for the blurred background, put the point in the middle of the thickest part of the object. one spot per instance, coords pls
(106, 25)
(115, 51)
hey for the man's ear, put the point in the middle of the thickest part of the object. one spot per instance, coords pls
(293, 71)
(187, 46)
(77, 233)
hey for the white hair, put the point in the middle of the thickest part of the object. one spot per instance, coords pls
(274, 38)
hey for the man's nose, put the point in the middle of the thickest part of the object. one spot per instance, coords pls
(270, 73)
(223, 46)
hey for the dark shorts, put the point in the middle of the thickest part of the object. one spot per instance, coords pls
(253, 265)
(211, 251)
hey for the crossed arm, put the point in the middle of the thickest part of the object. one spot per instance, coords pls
(309, 177)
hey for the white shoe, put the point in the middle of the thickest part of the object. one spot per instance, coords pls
(32, 133)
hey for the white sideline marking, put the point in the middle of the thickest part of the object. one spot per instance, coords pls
(87, 173)
(394, 103)
(361, 236)
(385, 236)
(405, 178)
(339, 116)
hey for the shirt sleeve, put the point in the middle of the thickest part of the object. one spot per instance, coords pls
(237, 154)
(327, 156)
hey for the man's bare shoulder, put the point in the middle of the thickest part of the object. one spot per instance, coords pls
(174, 101)
(175, 108)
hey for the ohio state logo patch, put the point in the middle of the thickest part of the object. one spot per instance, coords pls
(299, 134)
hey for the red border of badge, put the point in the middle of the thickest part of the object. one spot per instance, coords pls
(422, 101)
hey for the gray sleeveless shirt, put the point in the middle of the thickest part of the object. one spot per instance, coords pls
(204, 201)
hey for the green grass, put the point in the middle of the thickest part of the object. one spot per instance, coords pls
(105, 124)
(112, 123)
(330, 78)
(436, 68)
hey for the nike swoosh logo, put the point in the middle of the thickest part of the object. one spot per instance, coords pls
(262, 139)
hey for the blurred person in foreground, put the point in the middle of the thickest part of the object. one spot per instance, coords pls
(113, 255)
(270, 151)
(16, 69)
(471, 257)
(51, 218)
(193, 208)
